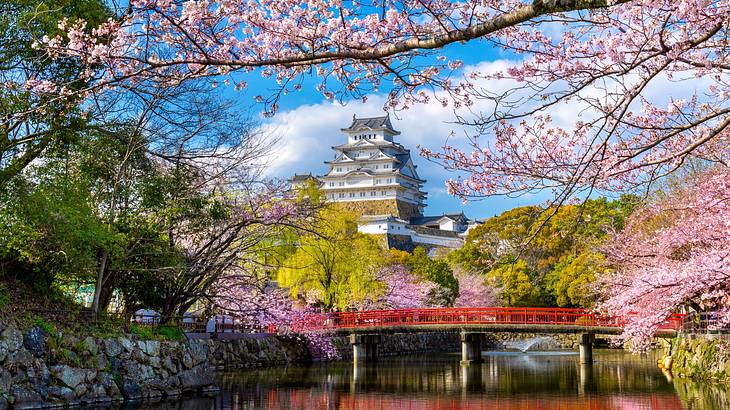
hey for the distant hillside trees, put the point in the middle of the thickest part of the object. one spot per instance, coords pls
(543, 257)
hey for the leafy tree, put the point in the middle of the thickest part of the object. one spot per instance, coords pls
(551, 250)
(437, 271)
(336, 267)
(515, 283)
(571, 279)
(25, 133)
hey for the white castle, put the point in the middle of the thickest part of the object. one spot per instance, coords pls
(375, 176)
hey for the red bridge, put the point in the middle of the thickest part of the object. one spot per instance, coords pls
(365, 327)
(489, 319)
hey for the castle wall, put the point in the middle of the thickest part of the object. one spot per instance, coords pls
(394, 207)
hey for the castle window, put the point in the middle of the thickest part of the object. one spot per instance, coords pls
(352, 194)
(386, 166)
(377, 181)
(342, 194)
(390, 180)
(382, 192)
(377, 166)
(372, 193)
(332, 184)
(342, 183)
(362, 193)
(339, 169)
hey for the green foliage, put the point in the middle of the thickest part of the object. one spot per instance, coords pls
(144, 332)
(544, 256)
(170, 333)
(335, 268)
(437, 271)
(570, 279)
(515, 282)
(48, 328)
(62, 121)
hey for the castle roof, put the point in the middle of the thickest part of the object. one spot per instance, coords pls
(371, 123)
(425, 220)
(301, 177)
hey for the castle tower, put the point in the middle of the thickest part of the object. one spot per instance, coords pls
(372, 174)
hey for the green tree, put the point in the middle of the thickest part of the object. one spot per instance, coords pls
(514, 282)
(437, 271)
(551, 248)
(337, 266)
(26, 133)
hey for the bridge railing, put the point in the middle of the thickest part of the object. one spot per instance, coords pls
(469, 316)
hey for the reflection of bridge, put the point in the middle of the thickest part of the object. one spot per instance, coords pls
(365, 327)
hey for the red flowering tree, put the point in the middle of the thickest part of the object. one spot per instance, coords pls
(675, 252)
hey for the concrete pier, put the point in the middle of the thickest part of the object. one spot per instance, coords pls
(471, 347)
(364, 347)
(585, 348)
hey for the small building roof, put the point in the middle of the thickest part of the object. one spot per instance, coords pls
(302, 177)
(425, 220)
(371, 123)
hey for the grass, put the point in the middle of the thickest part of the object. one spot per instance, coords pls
(56, 313)
(157, 333)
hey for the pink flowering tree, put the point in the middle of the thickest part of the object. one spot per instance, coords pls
(673, 253)
(473, 291)
(610, 95)
(399, 289)
(261, 303)
(602, 59)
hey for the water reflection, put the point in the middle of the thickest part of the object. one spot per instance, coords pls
(616, 381)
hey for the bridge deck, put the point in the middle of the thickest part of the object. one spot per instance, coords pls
(487, 319)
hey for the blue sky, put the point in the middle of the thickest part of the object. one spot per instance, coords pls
(308, 125)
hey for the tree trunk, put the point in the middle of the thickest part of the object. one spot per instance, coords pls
(97, 305)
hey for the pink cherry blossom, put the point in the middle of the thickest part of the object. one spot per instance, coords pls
(673, 254)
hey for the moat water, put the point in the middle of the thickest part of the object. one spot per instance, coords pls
(617, 380)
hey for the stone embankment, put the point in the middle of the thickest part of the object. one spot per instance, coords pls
(48, 370)
(702, 357)
(38, 369)
(405, 344)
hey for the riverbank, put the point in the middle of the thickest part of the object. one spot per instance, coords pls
(49, 368)
(701, 357)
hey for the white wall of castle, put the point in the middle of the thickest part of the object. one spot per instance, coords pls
(383, 227)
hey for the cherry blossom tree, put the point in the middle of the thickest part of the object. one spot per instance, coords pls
(601, 57)
(675, 252)
(261, 303)
(400, 290)
(647, 80)
(473, 292)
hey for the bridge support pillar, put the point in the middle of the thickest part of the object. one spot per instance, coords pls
(585, 348)
(471, 347)
(364, 347)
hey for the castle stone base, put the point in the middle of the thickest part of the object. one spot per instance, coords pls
(394, 207)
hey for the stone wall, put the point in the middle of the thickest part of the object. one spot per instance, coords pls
(546, 341)
(255, 351)
(400, 209)
(400, 344)
(39, 369)
(702, 357)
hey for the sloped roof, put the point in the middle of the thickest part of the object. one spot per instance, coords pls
(425, 220)
(371, 123)
(301, 177)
